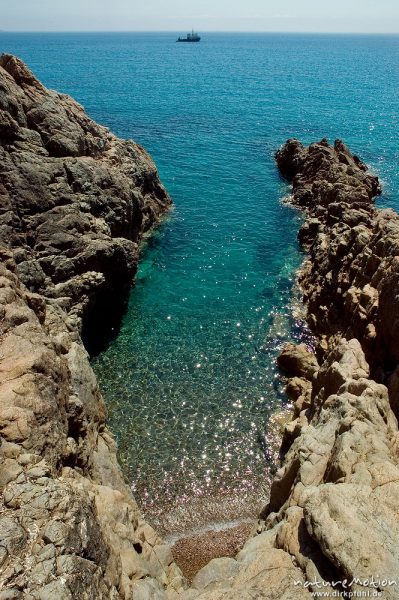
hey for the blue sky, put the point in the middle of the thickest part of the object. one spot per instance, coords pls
(378, 16)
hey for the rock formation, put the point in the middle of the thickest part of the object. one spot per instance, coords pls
(75, 201)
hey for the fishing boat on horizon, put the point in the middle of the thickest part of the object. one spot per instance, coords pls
(191, 37)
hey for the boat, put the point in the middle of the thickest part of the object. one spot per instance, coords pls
(191, 37)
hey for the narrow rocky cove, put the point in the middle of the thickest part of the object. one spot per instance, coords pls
(75, 203)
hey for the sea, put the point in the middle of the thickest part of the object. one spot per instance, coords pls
(194, 397)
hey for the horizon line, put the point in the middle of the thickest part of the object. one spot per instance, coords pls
(306, 32)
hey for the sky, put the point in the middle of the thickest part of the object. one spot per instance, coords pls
(346, 16)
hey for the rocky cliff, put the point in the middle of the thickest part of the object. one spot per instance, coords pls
(74, 203)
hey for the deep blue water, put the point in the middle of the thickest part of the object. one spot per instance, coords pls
(190, 380)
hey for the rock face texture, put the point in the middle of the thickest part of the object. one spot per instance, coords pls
(350, 280)
(74, 202)
(341, 468)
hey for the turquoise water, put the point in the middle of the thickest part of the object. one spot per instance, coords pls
(190, 380)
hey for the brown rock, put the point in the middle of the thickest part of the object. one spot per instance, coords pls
(298, 361)
(77, 200)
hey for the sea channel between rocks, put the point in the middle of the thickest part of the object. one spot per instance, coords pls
(76, 202)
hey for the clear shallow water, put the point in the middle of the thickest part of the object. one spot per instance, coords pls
(190, 380)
